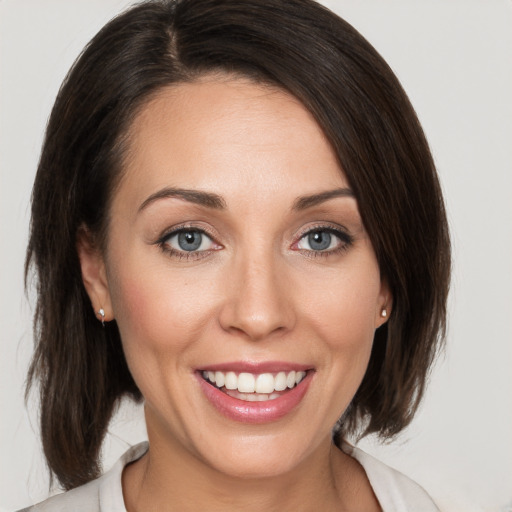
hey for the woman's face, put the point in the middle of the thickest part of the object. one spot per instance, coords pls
(236, 254)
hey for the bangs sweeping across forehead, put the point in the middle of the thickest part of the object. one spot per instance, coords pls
(303, 48)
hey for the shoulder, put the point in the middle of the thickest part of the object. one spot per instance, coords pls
(82, 499)
(104, 494)
(394, 491)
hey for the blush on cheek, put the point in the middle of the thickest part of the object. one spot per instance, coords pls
(345, 322)
(148, 329)
(158, 312)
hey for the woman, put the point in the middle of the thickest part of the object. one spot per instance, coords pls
(236, 219)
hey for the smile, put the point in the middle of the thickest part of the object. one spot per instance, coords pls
(255, 393)
(252, 387)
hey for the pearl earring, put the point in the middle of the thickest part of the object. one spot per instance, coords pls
(101, 312)
(384, 313)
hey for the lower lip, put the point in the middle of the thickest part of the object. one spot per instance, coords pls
(255, 412)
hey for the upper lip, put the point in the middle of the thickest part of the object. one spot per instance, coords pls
(255, 367)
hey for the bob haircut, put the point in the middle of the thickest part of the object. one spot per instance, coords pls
(300, 47)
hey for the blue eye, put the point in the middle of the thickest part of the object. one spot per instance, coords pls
(189, 240)
(319, 240)
(323, 240)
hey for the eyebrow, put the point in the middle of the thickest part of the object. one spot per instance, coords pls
(304, 202)
(214, 201)
(207, 199)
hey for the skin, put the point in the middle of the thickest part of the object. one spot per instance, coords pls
(259, 149)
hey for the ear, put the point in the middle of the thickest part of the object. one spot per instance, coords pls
(384, 304)
(94, 274)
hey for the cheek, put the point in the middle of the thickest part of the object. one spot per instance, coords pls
(157, 310)
(348, 308)
(159, 314)
(342, 309)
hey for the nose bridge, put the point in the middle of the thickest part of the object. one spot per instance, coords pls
(258, 303)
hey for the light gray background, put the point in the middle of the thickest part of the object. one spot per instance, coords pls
(455, 60)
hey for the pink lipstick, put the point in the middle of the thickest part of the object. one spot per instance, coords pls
(255, 392)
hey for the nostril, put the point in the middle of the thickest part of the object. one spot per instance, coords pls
(256, 306)
(255, 327)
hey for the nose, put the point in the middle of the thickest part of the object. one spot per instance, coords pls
(259, 301)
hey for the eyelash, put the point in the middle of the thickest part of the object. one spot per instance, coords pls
(163, 243)
(346, 240)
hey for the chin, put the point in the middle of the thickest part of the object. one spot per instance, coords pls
(261, 456)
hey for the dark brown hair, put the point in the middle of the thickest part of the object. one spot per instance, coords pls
(305, 49)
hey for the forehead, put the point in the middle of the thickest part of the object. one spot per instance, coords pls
(232, 137)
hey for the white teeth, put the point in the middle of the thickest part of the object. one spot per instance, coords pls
(255, 387)
(219, 379)
(290, 379)
(280, 384)
(246, 383)
(231, 380)
(252, 397)
(265, 383)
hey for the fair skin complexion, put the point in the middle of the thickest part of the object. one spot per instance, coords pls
(274, 278)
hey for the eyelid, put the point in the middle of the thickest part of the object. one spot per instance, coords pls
(336, 229)
(346, 239)
(204, 237)
(162, 241)
(185, 226)
(342, 233)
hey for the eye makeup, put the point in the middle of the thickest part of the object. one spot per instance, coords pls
(196, 242)
(321, 236)
(191, 242)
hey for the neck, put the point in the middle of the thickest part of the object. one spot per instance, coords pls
(170, 478)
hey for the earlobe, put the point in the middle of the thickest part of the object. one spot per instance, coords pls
(384, 304)
(382, 315)
(94, 275)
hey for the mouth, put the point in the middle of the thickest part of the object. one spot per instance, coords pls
(254, 387)
(255, 393)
